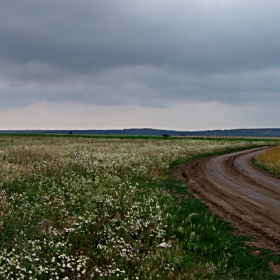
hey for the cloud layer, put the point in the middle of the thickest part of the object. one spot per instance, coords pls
(154, 55)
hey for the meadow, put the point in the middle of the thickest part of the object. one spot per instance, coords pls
(270, 160)
(102, 208)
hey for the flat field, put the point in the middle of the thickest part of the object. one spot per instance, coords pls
(102, 208)
(270, 160)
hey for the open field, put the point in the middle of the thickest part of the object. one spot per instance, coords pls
(270, 160)
(95, 208)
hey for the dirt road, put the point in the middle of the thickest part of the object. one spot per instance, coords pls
(240, 193)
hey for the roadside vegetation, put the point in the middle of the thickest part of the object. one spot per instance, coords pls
(270, 160)
(103, 208)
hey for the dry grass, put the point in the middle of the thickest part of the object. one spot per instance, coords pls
(270, 160)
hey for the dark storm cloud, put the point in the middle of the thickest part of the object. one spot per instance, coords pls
(148, 53)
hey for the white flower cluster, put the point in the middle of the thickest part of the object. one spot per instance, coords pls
(86, 208)
(41, 259)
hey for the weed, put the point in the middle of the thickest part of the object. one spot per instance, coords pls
(95, 208)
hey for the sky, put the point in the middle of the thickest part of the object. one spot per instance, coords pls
(180, 64)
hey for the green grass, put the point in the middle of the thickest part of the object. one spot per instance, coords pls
(139, 137)
(95, 208)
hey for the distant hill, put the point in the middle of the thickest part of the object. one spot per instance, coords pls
(254, 132)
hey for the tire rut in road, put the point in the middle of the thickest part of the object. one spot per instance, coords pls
(240, 193)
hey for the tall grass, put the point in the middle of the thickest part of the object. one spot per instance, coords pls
(270, 160)
(81, 208)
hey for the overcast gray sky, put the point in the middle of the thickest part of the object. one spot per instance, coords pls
(180, 64)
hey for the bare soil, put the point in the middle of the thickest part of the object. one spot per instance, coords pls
(240, 193)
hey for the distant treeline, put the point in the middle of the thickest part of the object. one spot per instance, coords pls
(258, 132)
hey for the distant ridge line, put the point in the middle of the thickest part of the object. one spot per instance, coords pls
(251, 132)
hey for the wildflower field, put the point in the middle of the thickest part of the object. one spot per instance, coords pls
(270, 160)
(98, 208)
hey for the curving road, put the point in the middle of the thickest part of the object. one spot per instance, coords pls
(239, 192)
